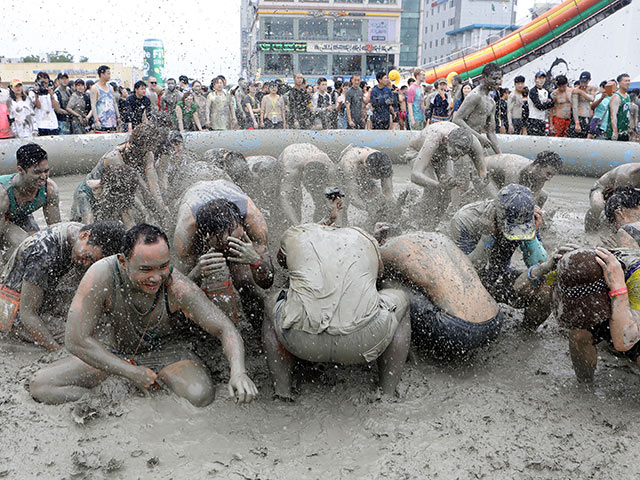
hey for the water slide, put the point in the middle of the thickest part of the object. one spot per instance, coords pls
(549, 30)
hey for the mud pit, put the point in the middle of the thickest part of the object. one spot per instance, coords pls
(512, 410)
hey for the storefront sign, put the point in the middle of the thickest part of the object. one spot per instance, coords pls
(282, 47)
(378, 30)
(351, 48)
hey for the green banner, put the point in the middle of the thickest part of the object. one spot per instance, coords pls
(154, 60)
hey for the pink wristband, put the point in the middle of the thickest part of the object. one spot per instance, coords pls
(257, 264)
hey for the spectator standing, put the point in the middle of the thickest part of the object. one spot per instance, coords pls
(200, 100)
(514, 107)
(170, 99)
(123, 94)
(415, 100)
(322, 105)
(272, 111)
(21, 111)
(136, 106)
(152, 92)
(561, 112)
(63, 94)
(439, 106)
(600, 107)
(539, 103)
(220, 110)
(251, 108)
(581, 100)
(402, 102)
(464, 91)
(106, 116)
(619, 106)
(263, 90)
(353, 104)
(184, 84)
(45, 101)
(381, 100)
(341, 119)
(186, 114)
(79, 109)
(299, 104)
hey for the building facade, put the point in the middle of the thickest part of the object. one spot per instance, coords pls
(452, 27)
(331, 38)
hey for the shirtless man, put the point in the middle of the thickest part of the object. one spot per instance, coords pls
(132, 291)
(439, 148)
(477, 112)
(451, 311)
(366, 176)
(221, 236)
(332, 311)
(35, 268)
(304, 165)
(109, 198)
(620, 176)
(581, 99)
(561, 111)
(25, 192)
(508, 168)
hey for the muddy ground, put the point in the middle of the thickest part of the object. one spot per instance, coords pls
(513, 410)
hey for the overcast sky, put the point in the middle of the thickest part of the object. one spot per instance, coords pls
(201, 38)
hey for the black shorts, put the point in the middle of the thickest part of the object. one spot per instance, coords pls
(446, 334)
(602, 333)
(585, 122)
(536, 127)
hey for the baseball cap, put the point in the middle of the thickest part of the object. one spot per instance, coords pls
(515, 206)
(439, 81)
(541, 74)
(580, 293)
(15, 82)
(585, 76)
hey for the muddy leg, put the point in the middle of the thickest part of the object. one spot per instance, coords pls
(391, 362)
(538, 306)
(584, 355)
(190, 380)
(65, 381)
(279, 361)
(251, 296)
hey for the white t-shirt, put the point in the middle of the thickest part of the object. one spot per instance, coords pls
(534, 112)
(4, 96)
(45, 115)
(332, 279)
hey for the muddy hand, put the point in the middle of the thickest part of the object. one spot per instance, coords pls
(242, 388)
(211, 263)
(242, 251)
(611, 268)
(143, 377)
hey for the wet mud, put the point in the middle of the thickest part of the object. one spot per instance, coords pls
(511, 410)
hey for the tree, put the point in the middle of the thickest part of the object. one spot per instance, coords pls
(84, 59)
(31, 59)
(60, 56)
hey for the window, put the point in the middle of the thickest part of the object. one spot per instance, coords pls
(313, 29)
(309, 64)
(451, 4)
(442, 41)
(426, 14)
(383, 2)
(442, 23)
(438, 8)
(437, 25)
(277, 28)
(348, 1)
(429, 59)
(451, 21)
(347, 64)
(347, 30)
(431, 44)
(278, 63)
(377, 63)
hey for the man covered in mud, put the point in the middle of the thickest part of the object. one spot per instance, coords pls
(32, 274)
(622, 175)
(221, 242)
(581, 98)
(597, 297)
(507, 168)
(25, 192)
(477, 112)
(236, 166)
(490, 231)
(108, 198)
(561, 111)
(451, 311)
(332, 311)
(366, 176)
(144, 304)
(305, 165)
(169, 100)
(439, 148)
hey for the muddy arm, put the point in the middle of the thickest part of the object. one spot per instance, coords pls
(51, 210)
(30, 302)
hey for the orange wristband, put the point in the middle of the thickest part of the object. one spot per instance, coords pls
(620, 291)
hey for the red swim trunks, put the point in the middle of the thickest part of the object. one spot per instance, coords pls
(561, 126)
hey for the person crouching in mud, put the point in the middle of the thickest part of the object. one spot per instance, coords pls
(143, 304)
(490, 231)
(623, 210)
(221, 242)
(332, 311)
(596, 295)
(451, 311)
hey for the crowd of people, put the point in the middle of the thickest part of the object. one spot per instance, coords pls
(177, 247)
(548, 107)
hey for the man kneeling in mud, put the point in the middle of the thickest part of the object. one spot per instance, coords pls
(332, 311)
(144, 304)
(451, 311)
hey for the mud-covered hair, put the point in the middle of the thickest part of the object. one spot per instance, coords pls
(119, 183)
(29, 155)
(109, 236)
(623, 197)
(216, 217)
(460, 139)
(548, 158)
(489, 68)
(144, 232)
(379, 165)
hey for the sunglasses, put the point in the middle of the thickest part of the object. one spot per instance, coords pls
(153, 83)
